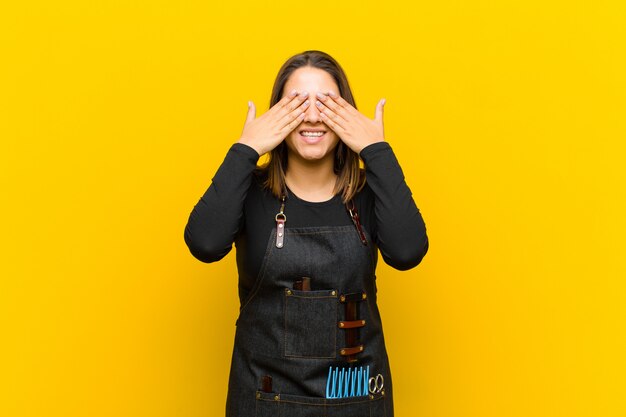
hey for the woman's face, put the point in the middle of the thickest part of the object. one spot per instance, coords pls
(303, 142)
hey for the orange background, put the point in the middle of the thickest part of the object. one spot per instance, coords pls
(507, 118)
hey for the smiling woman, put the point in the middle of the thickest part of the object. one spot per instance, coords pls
(307, 286)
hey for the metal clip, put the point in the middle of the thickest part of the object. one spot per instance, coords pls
(281, 218)
(354, 215)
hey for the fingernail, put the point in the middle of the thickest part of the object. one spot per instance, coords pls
(332, 93)
(320, 95)
(384, 101)
(249, 103)
(306, 102)
(304, 93)
(318, 103)
(293, 92)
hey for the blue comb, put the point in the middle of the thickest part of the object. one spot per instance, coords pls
(347, 382)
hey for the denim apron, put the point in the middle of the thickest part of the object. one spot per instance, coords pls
(294, 336)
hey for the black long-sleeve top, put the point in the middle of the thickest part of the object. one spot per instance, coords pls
(237, 209)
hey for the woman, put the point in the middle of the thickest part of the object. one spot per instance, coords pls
(308, 226)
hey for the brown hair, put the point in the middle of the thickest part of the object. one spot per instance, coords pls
(347, 166)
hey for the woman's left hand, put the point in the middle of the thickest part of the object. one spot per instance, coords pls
(354, 128)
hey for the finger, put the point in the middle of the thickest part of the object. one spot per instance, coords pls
(349, 108)
(299, 109)
(292, 124)
(325, 101)
(331, 123)
(292, 105)
(251, 112)
(330, 114)
(379, 111)
(283, 101)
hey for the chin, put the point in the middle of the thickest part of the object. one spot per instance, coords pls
(311, 155)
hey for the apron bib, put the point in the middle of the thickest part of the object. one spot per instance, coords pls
(296, 335)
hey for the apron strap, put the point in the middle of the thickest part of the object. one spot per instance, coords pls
(354, 214)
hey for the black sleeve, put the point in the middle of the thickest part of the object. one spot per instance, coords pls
(400, 232)
(218, 217)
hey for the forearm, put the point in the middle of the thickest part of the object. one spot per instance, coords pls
(217, 218)
(400, 229)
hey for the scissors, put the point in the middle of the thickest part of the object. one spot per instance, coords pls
(376, 384)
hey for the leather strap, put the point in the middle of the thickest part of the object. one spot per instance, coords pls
(354, 214)
(280, 232)
(351, 324)
(281, 218)
(355, 296)
(348, 351)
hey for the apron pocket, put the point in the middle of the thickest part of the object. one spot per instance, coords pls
(269, 404)
(310, 323)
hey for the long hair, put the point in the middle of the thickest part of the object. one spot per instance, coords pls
(350, 175)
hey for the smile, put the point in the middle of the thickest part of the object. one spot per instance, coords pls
(312, 133)
(312, 136)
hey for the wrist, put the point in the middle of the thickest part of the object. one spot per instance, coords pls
(368, 144)
(244, 141)
(373, 149)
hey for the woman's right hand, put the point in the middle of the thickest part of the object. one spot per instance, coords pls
(268, 130)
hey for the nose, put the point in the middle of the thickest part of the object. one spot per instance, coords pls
(312, 113)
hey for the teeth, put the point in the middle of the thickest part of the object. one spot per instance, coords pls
(314, 134)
